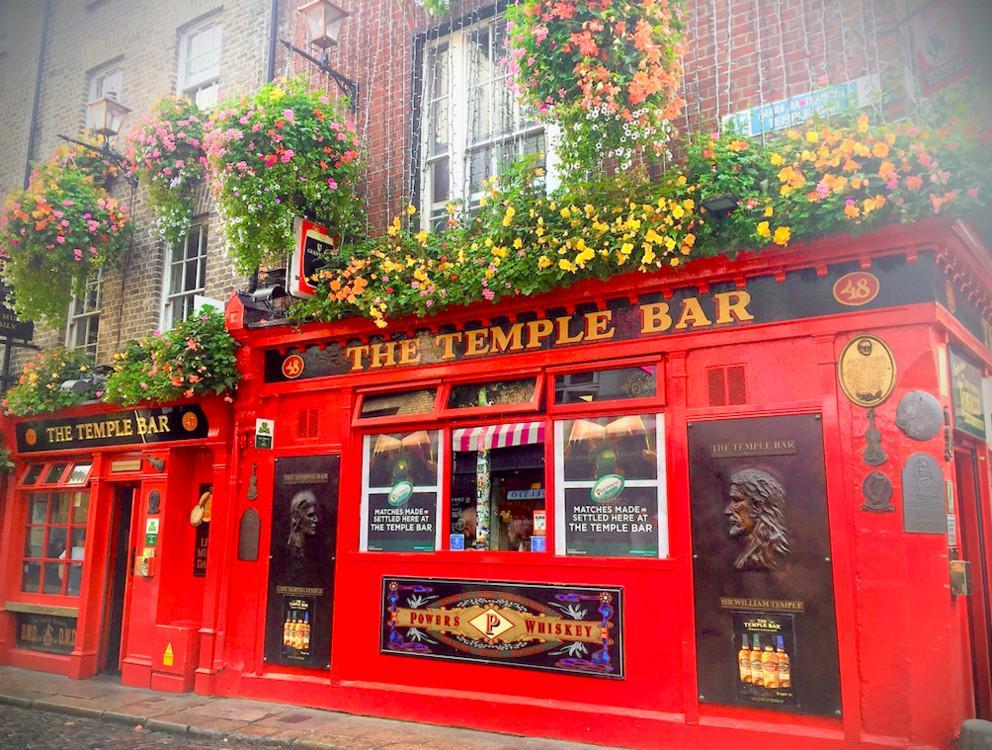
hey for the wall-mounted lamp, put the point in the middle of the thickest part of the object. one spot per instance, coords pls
(720, 205)
(323, 20)
(105, 117)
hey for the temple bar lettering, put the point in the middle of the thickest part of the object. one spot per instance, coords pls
(766, 299)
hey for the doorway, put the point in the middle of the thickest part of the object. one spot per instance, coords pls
(118, 579)
(972, 512)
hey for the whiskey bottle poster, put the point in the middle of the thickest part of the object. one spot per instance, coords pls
(301, 561)
(765, 654)
(761, 559)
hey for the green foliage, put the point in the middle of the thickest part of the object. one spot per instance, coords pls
(283, 152)
(167, 150)
(60, 231)
(196, 358)
(804, 183)
(39, 388)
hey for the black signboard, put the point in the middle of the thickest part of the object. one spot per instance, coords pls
(761, 563)
(574, 629)
(802, 294)
(10, 326)
(50, 633)
(133, 427)
(402, 520)
(301, 561)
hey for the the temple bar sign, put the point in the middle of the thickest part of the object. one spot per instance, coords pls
(586, 328)
(118, 428)
(800, 294)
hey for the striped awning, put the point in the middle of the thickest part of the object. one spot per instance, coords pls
(498, 436)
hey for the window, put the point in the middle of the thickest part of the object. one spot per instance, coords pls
(610, 486)
(497, 488)
(606, 385)
(401, 481)
(105, 81)
(401, 403)
(55, 542)
(199, 63)
(185, 276)
(83, 329)
(472, 125)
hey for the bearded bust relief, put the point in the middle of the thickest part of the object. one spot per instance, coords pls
(756, 513)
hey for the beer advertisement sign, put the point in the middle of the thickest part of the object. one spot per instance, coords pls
(574, 629)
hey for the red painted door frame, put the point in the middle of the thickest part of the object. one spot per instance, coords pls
(973, 505)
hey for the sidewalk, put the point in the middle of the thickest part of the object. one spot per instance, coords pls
(242, 722)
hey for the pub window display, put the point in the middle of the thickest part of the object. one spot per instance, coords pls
(497, 491)
(55, 543)
(402, 492)
(609, 497)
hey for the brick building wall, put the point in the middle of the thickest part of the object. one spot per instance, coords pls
(738, 54)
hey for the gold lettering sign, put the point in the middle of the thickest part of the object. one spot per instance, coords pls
(867, 371)
(691, 313)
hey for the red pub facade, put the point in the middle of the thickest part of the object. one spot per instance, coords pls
(742, 502)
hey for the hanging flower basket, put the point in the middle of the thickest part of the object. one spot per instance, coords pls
(167, 150)
(607, 71)
(60, 231)
(284, 152)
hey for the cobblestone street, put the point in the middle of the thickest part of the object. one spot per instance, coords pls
(42, 730)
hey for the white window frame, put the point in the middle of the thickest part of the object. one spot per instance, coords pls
(661, 485)
(107, 79)
(88, 317)
(459, 102)
(436, 488)
(205, 84)
(177, 257)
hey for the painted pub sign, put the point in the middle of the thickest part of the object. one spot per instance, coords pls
(574, 629)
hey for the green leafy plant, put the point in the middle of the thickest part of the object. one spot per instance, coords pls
(39, 389)
(167, 151)
(607, 71)
(804, 183)
(59, 231)
(284, 152)
(196, 358)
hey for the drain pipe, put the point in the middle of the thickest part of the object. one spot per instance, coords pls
(36, 102)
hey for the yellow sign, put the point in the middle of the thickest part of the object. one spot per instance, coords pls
(867, 371)
(169, 657)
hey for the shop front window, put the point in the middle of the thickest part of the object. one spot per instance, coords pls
(55, 543)
(498, 488)
(621, 383)
(402, 479)
(610, 487)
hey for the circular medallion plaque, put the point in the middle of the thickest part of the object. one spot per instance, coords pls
(877, 491)
(919, 415)
(867, 371)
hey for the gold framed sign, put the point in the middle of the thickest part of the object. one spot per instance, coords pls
(866, 370)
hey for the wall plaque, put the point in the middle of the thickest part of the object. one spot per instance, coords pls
(867, 370)
(248, 531)
(302, 550)
(919, 415)
(574, 629)
(762, 579)
(877, 491)
(923, 495)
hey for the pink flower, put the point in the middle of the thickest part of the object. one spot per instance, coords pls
(77, 253)
(286, 155)
(972, 192)
(489, 294)
(269, 159)
(331, 183)
(289, 116)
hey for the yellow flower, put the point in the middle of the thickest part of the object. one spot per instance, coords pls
(782, 236)
(777, 159)
(411, 210)
(764, 230)
(677, 211)
(862, 123)
(543, 262)
(769, 211)
(518, 243)
(649, 255)
(422, 237)
(566, 265)
(812, 136)
(276, 94)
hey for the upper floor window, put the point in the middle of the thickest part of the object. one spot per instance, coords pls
(83, 327)
(472, 124)
(185, 276)
(199, 62)
(105, 81)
